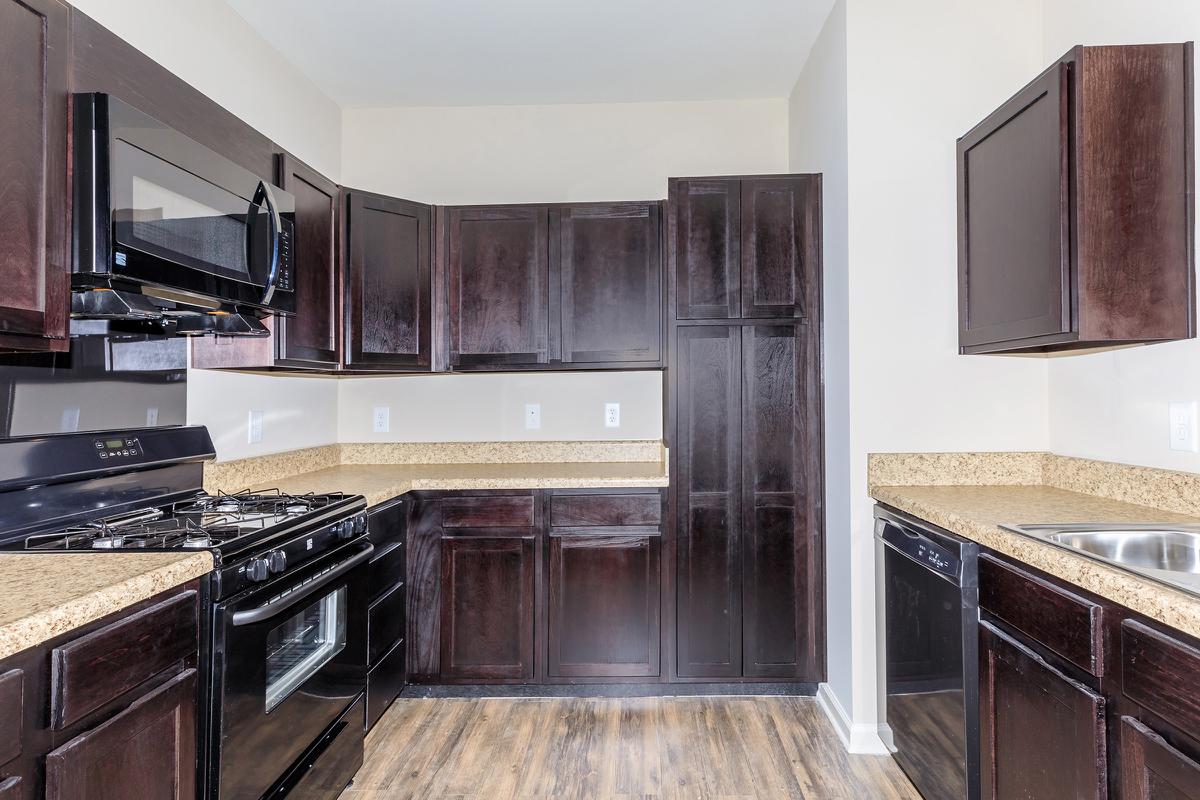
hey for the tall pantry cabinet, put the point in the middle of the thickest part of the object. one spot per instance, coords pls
(744, 427)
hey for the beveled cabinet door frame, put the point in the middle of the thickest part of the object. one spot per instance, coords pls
(688, 664)
(357, 202)
(537, 287)
(780, 233)
(322, 314)
(1051, 87)
(35, 248)
(562, 272)
(718, 243)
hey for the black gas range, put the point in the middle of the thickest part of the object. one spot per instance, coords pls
(285, 637)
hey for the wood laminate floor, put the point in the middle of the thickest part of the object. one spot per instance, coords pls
(650, 748)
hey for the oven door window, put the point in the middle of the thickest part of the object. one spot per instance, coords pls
(298, 648)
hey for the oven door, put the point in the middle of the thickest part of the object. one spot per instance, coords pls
(291, 657)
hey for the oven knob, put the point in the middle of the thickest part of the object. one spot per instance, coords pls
(344, 530)
(360, 523)
(277, 561)
(258, 569)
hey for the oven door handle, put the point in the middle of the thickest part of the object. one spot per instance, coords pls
(274, 607)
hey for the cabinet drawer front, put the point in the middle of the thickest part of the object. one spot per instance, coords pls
(101, 666)
(605, 509)
(488, 512)
(1151, 768)
(384, 683)
(1161, 674)
(1064, 622)
(385, 570)
(12, 714)
(385, 623)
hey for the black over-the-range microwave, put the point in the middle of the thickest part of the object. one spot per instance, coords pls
(169, 232)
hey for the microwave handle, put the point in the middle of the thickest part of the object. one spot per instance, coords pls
(264, 196)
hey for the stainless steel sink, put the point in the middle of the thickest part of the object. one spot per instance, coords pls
(1165, 553)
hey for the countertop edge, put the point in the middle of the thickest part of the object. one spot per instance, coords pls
(42, 626)
(1171, 607)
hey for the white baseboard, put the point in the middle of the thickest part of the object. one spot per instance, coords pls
(862, 738)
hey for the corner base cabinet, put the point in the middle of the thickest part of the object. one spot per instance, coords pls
(1076, 206)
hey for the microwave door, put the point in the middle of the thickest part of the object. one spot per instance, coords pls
(262, 254)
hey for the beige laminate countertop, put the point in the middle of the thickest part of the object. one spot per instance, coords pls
(381, 482)
(43, 595)
(975, 512)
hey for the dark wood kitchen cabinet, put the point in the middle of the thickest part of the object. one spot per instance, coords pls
(607, 260)
(1151, 769)
(487, 596)
(1043, 735)
(388, 301)
(387, 616)
(35, 244)
(499, 282)
(1076, 206)
(741, 246)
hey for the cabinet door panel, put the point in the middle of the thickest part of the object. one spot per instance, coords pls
(487, 607)
(610, 268)
(499, 285)
(707, 252)
(709, 607)
(147, 751)
(388, 283)
(1014, 254)
(1151, 769)
(778, 221)
(310, 337)
(604, 602)
(1042, 734)
(780, 576)
(34, 191)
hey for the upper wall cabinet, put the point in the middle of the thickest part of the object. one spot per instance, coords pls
(571, 286)
(34, 199)
(740, 245)
(388, 303)
(1076, 207)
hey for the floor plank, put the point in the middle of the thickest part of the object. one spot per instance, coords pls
(635, 748)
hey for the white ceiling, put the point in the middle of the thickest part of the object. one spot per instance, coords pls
(367, 53)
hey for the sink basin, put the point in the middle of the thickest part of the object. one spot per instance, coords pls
(1166, 553)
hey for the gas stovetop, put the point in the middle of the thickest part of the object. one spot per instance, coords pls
(217, 522)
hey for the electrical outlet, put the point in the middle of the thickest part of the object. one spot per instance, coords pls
(533, 416)
(152, 414)
(1183, 426)
(381, 419)
(612, 415)
(254, 427)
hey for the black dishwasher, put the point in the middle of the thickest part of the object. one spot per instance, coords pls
(931, 651)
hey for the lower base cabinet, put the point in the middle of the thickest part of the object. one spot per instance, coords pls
(387, 615)
(603, 612)
(146, 751)
(1043, 734)
(1151, 769)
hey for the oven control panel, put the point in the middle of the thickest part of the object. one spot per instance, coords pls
(117, 447)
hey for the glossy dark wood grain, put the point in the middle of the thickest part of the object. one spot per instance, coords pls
(12, 788)
(604, 602)
(12, 713)
(781, 573)
(35, 247)
(147, 751)
(490, 511)
(424, 590)
(1160, 672)
(498, 284)
(708, 534)
(1151, 769)
(779, 221)
(607, 260)
(706, 250)
(568, 510)
(388, 299)
(487, 607)
(1042, 734)
(95, 669)
(1064, 621)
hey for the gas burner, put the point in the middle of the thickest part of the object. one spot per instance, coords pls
(197, 541)
(108, 542)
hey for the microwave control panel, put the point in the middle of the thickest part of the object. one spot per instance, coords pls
(117, 447)
(284, 279)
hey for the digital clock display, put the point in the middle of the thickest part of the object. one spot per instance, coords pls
(114, 444)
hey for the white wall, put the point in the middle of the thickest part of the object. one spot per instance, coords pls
(517, 154)
(817, 138)
(1113, 405)
(471, 408)
(919, 75)
(214, 49)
